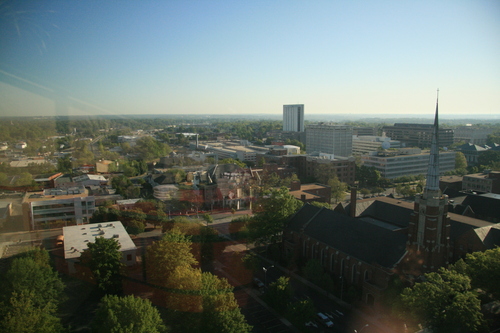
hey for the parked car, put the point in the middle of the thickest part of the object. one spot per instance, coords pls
(258, 283)
(324, 320)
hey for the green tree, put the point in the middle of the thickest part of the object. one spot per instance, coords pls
(64, 164)
(41, 282)
(460, 160)
(24, 179)
(208, 218)
(127, 314)
(149, 148)
(314, 272)
(104, 259)
(4, 179)
(484, 270)
(321, 204)
(135, 227)
(165, 255)
(444, 303)
(300, 312)
(338, 189)
(40, 256)
(279, 294)
(271, 213)
(367, 176)
(232, 161)
(221, 312)
(493, 138)
(22, 315)
(364, 192)
(488, 157)
(125, 187)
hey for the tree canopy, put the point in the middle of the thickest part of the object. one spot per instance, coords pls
(127, 314)
(104, 259)
(443, 302)
(484, 270)
(271, 213)
(165, 255)
(29, 295)
(26, 275)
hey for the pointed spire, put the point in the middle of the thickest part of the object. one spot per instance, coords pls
(433, 170)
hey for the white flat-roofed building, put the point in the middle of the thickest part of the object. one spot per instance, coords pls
(77, 237)
(329, 139)
(406, 162)
(363, 144)
(90, 180)
(58, 207)
(472, 134)
(292, 150)
(293, 118)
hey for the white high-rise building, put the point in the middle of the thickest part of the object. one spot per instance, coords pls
(329, 139)
(293, 118)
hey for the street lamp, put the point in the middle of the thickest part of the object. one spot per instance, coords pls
(362, 328)
(341, 286)
(265, 274)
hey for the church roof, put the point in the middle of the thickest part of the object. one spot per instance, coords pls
(359, 238)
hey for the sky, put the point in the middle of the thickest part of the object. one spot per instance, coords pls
(249, 57)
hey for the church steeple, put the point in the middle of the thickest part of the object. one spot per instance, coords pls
(429, 230)
(432, 184)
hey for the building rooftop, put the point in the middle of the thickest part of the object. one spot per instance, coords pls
(77, 237)
(58, 194)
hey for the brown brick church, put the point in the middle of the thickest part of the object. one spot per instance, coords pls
(367, 242)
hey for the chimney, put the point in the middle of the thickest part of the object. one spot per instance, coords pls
(354, 193)
(295, 185)
(303, 197)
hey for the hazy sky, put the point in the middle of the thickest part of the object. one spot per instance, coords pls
(218, 57)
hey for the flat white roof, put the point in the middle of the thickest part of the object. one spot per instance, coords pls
(77, 237)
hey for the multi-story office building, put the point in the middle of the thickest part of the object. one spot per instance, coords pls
(293, 118)
(488, 181)
(365, 144)
(406, 162)
(54, 207)
(418, 135)
(329, 139)
(308, 166)
(362, 131)
(472, 134)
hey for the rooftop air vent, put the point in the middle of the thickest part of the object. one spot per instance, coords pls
(116, 236)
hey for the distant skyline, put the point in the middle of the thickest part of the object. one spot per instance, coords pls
(368, 58)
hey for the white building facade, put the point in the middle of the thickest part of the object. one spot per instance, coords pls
(329, 139)
(406, 162)
(293, 118)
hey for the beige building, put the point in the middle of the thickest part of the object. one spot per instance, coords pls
(58, 207)
(488, 181)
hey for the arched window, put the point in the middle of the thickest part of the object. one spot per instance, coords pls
(342, 267)
(304, 248)
(353, 273)
(370, 300)
(322, 259)
(367, 275)
(313, 251)
(332, 262)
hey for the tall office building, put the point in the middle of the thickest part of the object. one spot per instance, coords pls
(293, 118)
(329, 139)
(418, 135)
